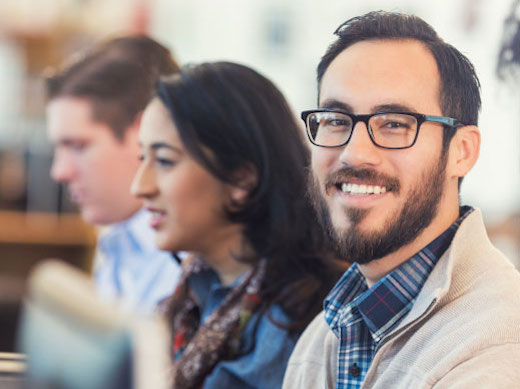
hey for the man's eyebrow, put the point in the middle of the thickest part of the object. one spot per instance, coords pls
(336, 104)
(393, 107)
(66, 141)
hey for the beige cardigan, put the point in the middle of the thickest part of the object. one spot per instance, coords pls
(462, 332)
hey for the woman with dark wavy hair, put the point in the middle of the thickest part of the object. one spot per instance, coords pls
(224, 173)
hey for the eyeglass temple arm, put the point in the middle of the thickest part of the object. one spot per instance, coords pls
(443, 120)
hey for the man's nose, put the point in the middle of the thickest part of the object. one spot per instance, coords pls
(360, 151)
(62, 169)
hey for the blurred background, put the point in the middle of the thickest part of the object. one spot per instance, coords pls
(283, 39)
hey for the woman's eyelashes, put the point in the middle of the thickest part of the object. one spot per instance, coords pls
(165, 162)
(161, 161)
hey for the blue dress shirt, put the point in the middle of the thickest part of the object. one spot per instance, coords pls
(130, 269)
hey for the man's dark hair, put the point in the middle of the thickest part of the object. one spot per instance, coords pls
(117, 76)
(459, 85)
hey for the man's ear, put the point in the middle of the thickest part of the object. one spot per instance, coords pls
(245, 180)
(464, 150)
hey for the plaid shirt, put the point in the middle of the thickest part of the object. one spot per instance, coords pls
(361, 317)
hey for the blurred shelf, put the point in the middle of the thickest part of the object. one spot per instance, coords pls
(45, 228)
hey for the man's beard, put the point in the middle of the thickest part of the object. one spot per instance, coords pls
(417, 213)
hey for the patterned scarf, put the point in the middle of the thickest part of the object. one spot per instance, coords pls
(198, 347)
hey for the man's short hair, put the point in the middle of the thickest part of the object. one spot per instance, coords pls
(459, 85)
(118, 77)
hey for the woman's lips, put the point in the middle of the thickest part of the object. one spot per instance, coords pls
(157, 216)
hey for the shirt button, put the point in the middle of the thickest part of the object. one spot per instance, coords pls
(354, 370)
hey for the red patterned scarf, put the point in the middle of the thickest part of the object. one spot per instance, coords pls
(198, 347)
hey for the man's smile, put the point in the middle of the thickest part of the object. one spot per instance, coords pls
(360, 190)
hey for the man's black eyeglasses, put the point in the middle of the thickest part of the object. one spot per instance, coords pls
(389, 130)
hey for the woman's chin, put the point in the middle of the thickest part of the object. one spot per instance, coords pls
(165, 244)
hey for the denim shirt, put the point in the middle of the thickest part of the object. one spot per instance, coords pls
(264, 354)
(129, 268)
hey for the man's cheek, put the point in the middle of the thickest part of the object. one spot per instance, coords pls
(319, 169)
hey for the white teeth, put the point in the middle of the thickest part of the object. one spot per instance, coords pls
(355, 189)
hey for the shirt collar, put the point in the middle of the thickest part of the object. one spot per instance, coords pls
(391, 298)
(207, 281)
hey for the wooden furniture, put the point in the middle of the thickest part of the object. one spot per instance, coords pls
(26, 239)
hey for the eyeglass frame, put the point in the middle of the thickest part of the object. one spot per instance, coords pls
(421, 118)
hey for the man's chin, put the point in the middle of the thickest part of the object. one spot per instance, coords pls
(95, 217)
(358, 219)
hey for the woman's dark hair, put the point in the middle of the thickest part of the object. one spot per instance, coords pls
(231, 119)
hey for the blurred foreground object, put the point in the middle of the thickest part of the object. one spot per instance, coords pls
(75, 341)
(12, 369)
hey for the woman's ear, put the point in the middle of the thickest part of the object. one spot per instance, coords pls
(245, 180)
(464, 151)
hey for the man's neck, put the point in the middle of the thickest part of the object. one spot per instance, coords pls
(379, 268)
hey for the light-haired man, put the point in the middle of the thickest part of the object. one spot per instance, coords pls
(93, 115)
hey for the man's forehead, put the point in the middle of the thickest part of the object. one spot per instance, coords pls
(72, 115)
(383, 72)
(77, 104)
(390, 54)
(66, 132)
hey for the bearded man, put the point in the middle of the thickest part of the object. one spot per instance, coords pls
(428, 302)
